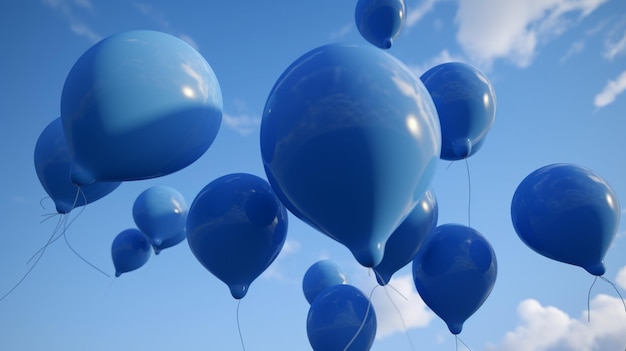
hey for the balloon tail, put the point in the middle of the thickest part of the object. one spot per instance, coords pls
(458, 339)
(595, 279)
(243, 346)
(616, 290)
(406, 330)
(367, 312)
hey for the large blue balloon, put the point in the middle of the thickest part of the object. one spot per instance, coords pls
(137, 105)
(321, 275)
(466, 105)
(236, 227)
(567, 213)
(454, 273)
(52, 164)
(130, 250)
(406, 240)
(380, 21)
(160, 212)
(350, 139)
(336, 315)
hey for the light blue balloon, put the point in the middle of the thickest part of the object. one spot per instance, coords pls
(179, 237)
(380, 21)
(130, 250)
(454, 273)
(236, 227)
(321, 275)
(466, 105)
(138, 105)
(160, 212)
(405, 242)
(567, 213)
(52, 164)
(350, 140)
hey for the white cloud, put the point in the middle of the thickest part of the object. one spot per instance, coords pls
(547, 328)
(443, 57)
(415, 14)
(611, 90)
(78, 26)
(615, 48)
(189, 40)
(243, 124)
(620, 279)
(576, 48)
(342, 32)
(512, 30)
(274, 271)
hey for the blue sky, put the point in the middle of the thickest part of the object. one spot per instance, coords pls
(559, 72)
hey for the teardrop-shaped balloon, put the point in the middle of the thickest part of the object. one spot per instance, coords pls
(236, 227)
(567, 213)
(52, 164)
(321, 275)
(350, 139)
(130, 250)
(380, 21)
(139, 104)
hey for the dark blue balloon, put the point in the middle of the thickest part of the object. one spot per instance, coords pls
(321, 275)
(380, 21)
(336, 315)
(52, 164)
(236, 227)
(567, 213)
(466, 105)
(406, 240)
(350, 140)
(137, 105)
(130, 250)
(454, 273)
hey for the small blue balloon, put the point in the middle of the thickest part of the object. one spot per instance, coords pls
(380, 21)
(567, 213)
(350, 140)
(160, 212)
(130, 250)
(321, 275)
(236, 227)
(407, 239)
(337, 315)
(52, 164)
(137, 105)
(179, 237)
(466, 105)
(454, 273)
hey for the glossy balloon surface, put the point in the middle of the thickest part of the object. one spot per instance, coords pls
(406, 240)
(236, 227)
(336, 316)
(349, 140)
(130, 250)
(53, 163)
(380, 21)
(567, 213)
(139, 104)
(321, 275)
(466, 105)
(454, 273)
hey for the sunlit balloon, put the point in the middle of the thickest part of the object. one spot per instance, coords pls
(130, 250)
(380, 21)
(321, 275)
(567, 213)
(350, 140)
(139, 104)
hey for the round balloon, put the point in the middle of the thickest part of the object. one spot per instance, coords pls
(349, 140)
(567, 213)
(466, 105)
(174, 240)
(130, 250)
(380, 21)
(454, 273)
(52, 164)
(321, 275)
(406, 240)
(139, 104)
(236, 227)
(341, 315)
(160, 212)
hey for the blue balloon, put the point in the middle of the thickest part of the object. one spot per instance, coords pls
(454, 273)
(380, 21)
(337, 315)
(466, 105)
(137, 105)
(321, 275)
(130, 250)
(406, 240)
(52, 164)
(236, 227)
(174, 240)
(567, 213)
(350, 140)
(160, 212)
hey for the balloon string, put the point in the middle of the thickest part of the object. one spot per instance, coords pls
(469, 194)
(595, 279)
(406, 330)
(616, 290)
(457, 338)
(243, 346)
(367, 312)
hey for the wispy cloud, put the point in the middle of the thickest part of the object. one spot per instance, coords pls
(274, 271)
(576, 48)
(70, 9)
(416, 13)
(614, 48)
(620, 279)
(342, 32)
(159, 17)
(443, 57)
(243, 124)
(611, 90)
(549, 328)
